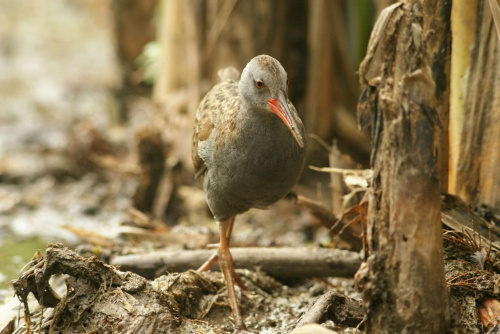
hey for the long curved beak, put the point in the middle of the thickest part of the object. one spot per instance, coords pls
(280, 107)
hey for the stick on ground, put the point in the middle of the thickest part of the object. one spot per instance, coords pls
(281, 263)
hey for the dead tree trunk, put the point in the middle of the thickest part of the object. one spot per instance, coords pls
(438, 44)
(403, 280)
(477, 179)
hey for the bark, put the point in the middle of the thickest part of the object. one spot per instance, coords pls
(438, 44)
(402, 282)
(282, 263)
(462, 22)
(477, 178)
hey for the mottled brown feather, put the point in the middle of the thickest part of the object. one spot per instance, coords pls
(217, 111)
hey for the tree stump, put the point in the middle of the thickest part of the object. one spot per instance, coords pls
(402, 282)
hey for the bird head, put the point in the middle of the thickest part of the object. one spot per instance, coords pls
(264, 85)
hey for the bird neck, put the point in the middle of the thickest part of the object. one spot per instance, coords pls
(252, 114)
(254, 122)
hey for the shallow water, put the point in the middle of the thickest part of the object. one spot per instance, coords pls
(14, 254)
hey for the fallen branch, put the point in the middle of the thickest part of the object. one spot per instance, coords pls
(334, 306)
(281, 263)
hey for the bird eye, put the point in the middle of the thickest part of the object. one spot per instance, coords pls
(259, 84)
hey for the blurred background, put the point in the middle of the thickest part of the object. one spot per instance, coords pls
(97, 101)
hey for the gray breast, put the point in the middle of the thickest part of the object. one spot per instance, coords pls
(256, 169)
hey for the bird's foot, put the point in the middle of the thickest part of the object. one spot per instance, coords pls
(226, 266)
(243, 330)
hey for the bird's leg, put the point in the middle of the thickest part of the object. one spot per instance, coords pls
(215, 256)
(226, 265)
(229, 229)
(208, 263)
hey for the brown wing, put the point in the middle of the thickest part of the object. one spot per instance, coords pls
(215, 113)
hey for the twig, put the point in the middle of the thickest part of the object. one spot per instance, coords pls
(333, 306)
(360, 172)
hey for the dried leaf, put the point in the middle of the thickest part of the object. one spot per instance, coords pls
(489, 313)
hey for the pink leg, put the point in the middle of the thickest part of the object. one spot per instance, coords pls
(208, 263)
(215, 256)
(226, 265)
